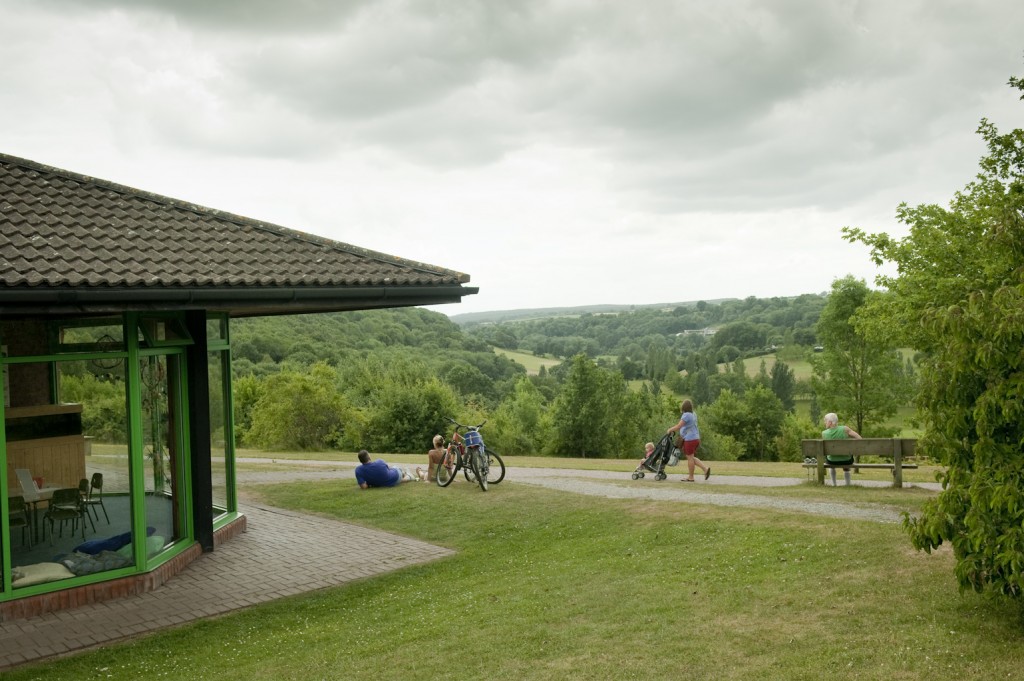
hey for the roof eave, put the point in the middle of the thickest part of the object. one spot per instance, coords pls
(236, 301)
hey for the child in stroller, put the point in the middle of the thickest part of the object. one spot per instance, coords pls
(657, 457)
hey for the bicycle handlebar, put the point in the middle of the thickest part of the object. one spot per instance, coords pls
(462, 425)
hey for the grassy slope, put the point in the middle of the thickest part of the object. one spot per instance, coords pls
(555, 586)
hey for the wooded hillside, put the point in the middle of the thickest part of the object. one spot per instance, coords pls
(386, 379)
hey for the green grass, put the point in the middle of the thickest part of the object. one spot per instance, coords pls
(801, 367)
(547, 585)
(532, 362)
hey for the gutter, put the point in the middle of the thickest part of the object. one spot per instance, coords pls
(240, 301)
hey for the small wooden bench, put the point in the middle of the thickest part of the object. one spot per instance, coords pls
(897, 448)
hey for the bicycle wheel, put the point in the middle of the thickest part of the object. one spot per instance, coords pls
(495, 468)
(445, 471)
(468, 470)
(479, 463)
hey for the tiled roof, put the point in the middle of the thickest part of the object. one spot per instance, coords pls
(63, 232)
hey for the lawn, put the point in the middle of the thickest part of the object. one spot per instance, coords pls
(547, 585)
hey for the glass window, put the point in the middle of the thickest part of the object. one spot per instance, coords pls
(163, 449)
(219, 435)
(163, 331)
(87, 335)
(216, 329)
(69, 492)
(37, 337)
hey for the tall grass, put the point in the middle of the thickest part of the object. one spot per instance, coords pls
(547, 585)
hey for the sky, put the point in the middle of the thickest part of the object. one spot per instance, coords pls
(560, 152)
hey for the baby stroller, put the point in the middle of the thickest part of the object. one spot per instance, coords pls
(664, 453)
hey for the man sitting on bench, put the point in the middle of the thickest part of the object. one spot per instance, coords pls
(834, 431)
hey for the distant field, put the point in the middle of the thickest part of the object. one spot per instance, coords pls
(801, 368)
(531, 362)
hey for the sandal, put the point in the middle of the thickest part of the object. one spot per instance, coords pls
(688, 480)
(707, 473)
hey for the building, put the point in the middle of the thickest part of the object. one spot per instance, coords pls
(115, 309)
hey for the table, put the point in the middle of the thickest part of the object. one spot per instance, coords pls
(33, 499)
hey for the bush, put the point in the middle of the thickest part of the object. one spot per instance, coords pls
(794, 429)
(717, 447)
(298, 410)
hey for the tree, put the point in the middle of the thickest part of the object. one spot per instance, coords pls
(580, 411)
(467, 379)
(637, 414)
(856, 375)
(958, 298)
(727, 354)
(520, 424)
(104, 398)
(783, 384)
(660, 360)
(246, 392)
(596, 414)
(814, 408)
(299, 410)
(765, 415)
(762, 375)
(727, 415)
(744, 335)
(754, 419)
(701, 387)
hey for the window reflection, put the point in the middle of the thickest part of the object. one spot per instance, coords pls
(162, 455)
(218, 434)
(69, 496)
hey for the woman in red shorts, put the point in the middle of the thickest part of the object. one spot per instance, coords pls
(690, 436)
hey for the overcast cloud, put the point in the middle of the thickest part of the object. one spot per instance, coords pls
(560, 152)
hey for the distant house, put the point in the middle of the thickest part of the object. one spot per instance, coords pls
(705, 332)
(115, 309)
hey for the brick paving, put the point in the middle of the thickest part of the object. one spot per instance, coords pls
(281, 554)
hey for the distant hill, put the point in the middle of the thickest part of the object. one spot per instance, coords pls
(498, 316)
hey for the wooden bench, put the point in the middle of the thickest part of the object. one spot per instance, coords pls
(896, 448)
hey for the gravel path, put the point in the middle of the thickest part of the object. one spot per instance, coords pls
(617, 485)
(670, 490)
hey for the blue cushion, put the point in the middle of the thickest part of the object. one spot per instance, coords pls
(94, 546)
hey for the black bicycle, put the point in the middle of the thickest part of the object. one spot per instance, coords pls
(466, 451)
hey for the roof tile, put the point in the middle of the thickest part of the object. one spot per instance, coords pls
(59, 229)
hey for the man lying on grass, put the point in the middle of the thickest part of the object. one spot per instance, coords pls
(378, 473)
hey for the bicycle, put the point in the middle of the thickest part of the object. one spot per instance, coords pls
(466, 451)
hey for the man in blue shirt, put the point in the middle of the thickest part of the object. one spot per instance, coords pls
(378, 473)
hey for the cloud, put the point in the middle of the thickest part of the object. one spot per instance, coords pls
(568, 134)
